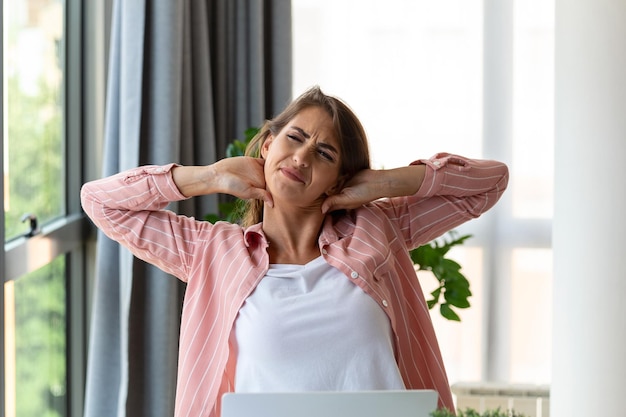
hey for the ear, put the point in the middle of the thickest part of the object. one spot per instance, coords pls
(266, 145)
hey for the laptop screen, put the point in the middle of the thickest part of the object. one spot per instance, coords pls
(409, 403)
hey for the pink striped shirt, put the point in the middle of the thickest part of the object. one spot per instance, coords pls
(223, 263)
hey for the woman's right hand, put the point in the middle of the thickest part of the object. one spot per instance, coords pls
(240, 176)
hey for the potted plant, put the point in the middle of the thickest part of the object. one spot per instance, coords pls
(469, 412)
(453, 285)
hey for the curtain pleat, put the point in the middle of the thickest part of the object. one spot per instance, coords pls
(185, 78)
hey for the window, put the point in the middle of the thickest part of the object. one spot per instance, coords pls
(35, 342)
(43, 230)
(469, 77)
(33, 147)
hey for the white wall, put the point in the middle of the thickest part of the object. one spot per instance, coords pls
(589, 372)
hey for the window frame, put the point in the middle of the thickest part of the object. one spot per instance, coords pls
(86, 29)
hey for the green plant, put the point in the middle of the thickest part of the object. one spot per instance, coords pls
(230, 210)
(237, 147)
(469, 412)
(453, 285)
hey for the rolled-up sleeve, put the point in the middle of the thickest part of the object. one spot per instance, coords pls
(129, 208)
(144, 188)
(455, 189)
(455, 175)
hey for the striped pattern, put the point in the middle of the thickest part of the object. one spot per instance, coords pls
(223, 263)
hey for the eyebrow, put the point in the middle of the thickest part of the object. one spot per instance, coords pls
(320, 144)
(302, 132)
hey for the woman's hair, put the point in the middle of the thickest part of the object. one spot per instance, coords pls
(354, 149)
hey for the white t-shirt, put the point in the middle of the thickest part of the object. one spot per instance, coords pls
(309, 328)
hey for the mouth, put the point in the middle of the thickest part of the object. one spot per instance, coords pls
(293, 174)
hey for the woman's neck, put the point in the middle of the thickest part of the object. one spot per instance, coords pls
(292, 237)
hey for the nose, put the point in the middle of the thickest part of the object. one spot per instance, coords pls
(301, 156)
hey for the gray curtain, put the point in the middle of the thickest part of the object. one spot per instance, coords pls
(186, 77)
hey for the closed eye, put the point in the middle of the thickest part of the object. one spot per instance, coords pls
(294, 138)
(326, 151)
(325, 154)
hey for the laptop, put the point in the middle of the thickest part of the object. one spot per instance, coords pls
(409, 403)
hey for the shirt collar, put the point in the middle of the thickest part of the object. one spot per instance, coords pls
(254, 235)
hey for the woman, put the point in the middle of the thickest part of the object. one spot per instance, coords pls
(316, 291)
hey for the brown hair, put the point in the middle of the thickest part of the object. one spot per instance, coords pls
(353, 144)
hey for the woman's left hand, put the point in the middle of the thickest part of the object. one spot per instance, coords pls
(370, 184)
(361, 189)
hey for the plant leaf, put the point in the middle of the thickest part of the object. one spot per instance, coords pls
(236, 148)
(436, 293)
(456, 300)
(425, 257)
(249, 133)
(450, 265)
(212, 218)
(447, 312)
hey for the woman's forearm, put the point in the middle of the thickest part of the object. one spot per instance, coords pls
(402, 181)
(195, 180)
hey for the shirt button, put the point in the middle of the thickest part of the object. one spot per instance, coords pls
(354, 274)
(385, 303)
(436, 163)
(324, 252)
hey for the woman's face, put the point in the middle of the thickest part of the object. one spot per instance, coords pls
(303, 161)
